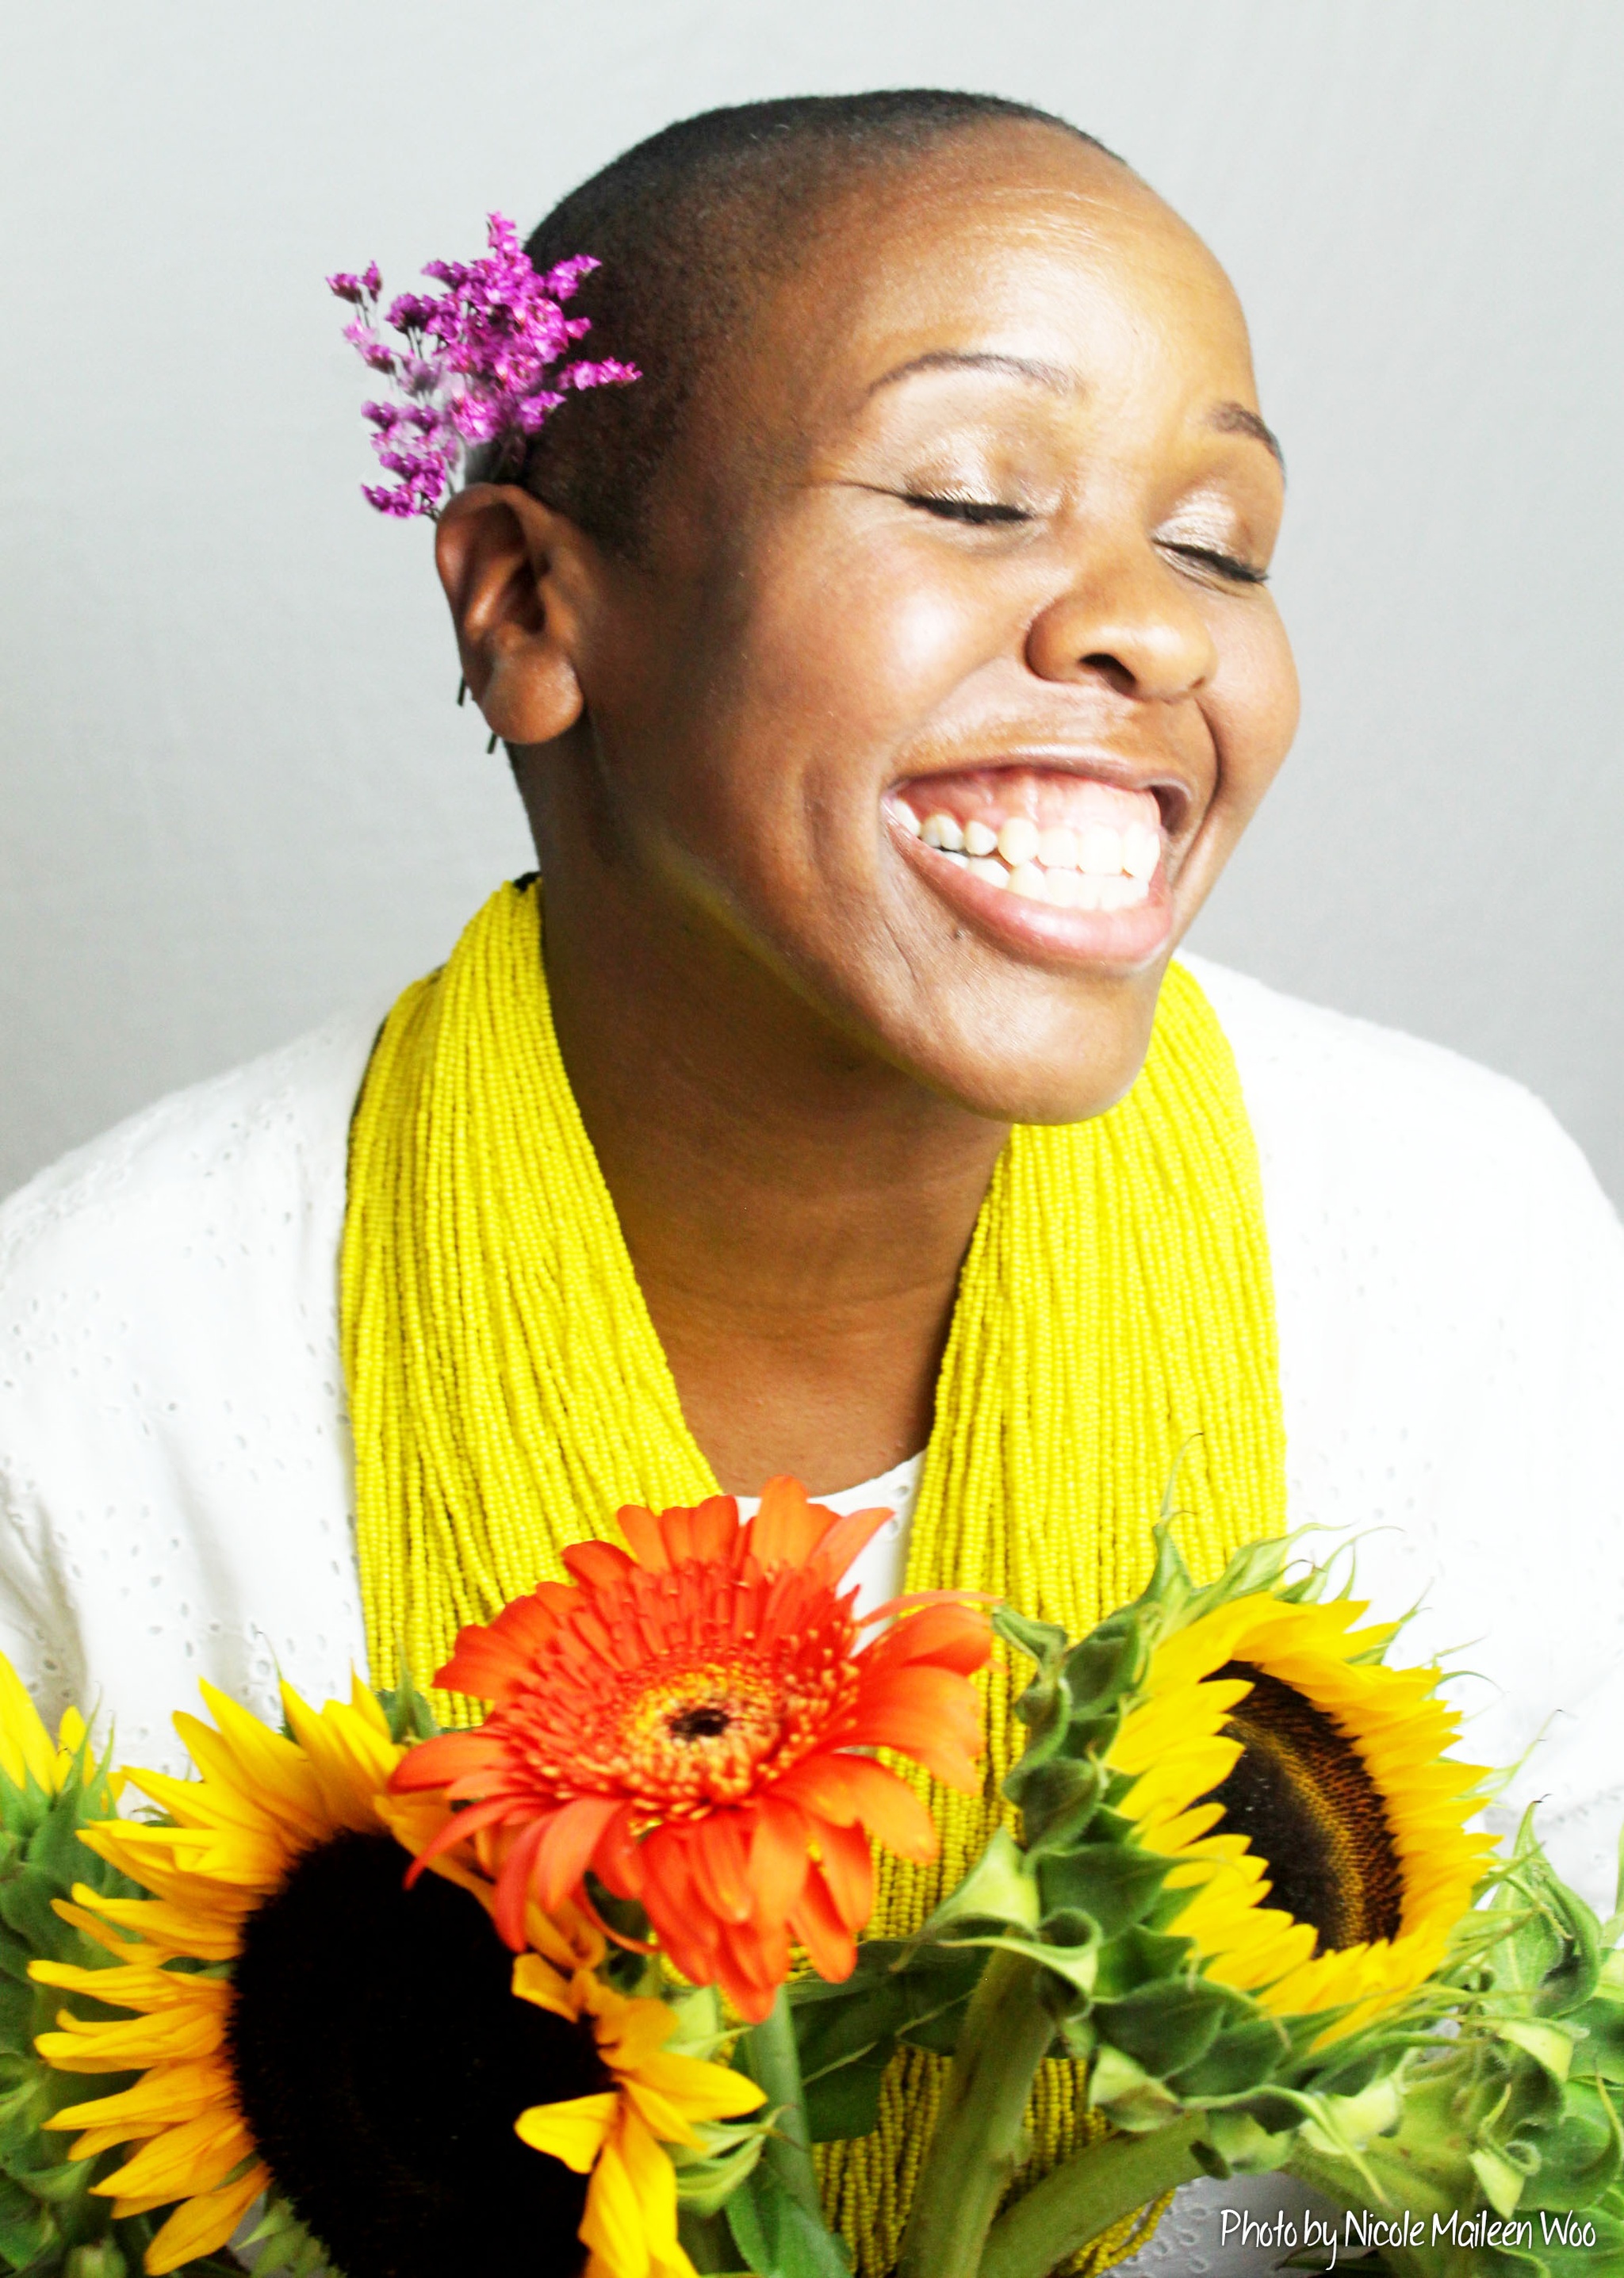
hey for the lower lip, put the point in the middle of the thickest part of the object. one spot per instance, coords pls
(1124, 938)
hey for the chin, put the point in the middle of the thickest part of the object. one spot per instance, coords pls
(1071, 1072)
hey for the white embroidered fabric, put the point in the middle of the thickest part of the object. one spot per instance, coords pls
(174, 1465)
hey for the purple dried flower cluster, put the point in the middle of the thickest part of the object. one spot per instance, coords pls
(478, 362)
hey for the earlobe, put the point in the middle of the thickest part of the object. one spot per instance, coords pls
(504, 561)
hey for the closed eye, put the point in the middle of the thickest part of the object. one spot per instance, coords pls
(1221, 565)
(980, 511)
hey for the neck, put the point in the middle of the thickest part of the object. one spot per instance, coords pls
(797, 1211)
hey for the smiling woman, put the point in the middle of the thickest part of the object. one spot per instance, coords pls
(888, 673)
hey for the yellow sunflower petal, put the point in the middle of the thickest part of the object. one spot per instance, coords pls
(535, 1980)
(269, 1764)
(1392, 1721)
(196, 2156)
(166, 2094)
(575, 2130)
(629, 2225)
(203, 2225)
(130, 2044)
(172, 1929)
(25, 1745)
(689, 2089)
(71, 1734)
(95, 2140)
(350, 1759)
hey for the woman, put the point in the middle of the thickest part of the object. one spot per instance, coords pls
(887, 675)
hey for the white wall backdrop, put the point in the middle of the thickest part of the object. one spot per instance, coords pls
(234, 792)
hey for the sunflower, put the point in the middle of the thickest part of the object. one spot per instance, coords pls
(684, 1719)
(1274, 1757)
(617, 2135)
(26, 1749)
(264, 1803)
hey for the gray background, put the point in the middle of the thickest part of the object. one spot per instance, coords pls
(233, 792)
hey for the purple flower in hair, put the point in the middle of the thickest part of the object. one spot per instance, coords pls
(480, 364)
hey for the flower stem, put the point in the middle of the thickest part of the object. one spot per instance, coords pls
(1095, 2189)
(980, 2133)
(769, 2056)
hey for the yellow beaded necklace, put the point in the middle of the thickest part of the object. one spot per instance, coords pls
(508, 1391)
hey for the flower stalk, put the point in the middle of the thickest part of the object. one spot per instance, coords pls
(1094, 2189)
(980, 2136)
(767, 2053)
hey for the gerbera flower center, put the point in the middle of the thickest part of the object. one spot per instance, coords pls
(1306, 1802)
(707, 1724)
(701, 1733)
(382, 2058)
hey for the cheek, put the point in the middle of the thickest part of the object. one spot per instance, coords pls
(1252, 706)
(872, 641)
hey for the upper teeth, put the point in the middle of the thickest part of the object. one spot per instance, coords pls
(1096, 867)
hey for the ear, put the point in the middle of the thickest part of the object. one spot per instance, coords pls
(518, 579)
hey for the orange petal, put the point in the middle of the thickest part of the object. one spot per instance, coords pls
(595, 1565)
(817, 1924)
(571, 1839)
(620, 1856)
(513, 1883)
(749, 1970)
(458, 1826)
(490, 1659)
(713, 1530)
(780, 1855)
(928, 1713)
(955, 1637)
(846, 1540)
(843, 1788)
(848, 1871)
(645, 1538)
(720, 1865)
(787, 1529)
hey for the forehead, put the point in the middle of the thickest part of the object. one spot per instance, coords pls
(1020, 241)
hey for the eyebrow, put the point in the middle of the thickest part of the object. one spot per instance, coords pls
(1235, 419)
(1226, 418)
(1050, 376)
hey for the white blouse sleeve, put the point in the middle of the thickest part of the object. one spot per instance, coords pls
(174, 1471)
(1450, 1289)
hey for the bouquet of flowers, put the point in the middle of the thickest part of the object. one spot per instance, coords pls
(585, 1987)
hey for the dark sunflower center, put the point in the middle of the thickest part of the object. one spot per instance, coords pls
(1303, 1799)
(381, 2059)
(707, 1722)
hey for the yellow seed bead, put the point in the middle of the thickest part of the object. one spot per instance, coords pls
(507, 1393)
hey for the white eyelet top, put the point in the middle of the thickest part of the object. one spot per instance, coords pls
(175, 1470)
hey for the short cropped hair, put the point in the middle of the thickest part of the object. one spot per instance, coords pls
(692, 227)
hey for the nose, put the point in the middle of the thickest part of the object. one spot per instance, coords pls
(1128, 619)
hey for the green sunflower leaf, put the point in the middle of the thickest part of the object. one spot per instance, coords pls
(26, 1908)
(999, 1887)
(1039, 1642)
(847, 2034)
(1138, 1958)
(1602, 2049)
(1106, 1665)
(1242, 2057)
(406, 1710)
(1057, 1799)
(1165, 2028)
(778, 2236)
(27, 2230)
(1115, 1882)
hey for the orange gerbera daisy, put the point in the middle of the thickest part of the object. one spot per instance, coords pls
(686, 1718)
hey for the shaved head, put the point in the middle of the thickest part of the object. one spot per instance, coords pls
(694, 226)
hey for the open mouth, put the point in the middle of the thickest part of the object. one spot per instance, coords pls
(1060, 852)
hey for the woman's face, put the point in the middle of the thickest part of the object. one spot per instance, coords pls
(950, 680)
